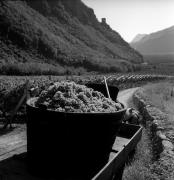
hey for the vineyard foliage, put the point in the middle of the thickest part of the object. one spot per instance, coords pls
(12, 88)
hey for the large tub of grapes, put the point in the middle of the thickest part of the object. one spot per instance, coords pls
(71, 129)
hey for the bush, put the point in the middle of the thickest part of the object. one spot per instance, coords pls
(30, 69)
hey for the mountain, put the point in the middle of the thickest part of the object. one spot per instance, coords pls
(138, 37)
(54, 35)
(161, 42)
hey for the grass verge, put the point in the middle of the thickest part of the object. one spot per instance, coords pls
(143, 166)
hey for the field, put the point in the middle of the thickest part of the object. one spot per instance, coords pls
(159, 63)
(159, 58)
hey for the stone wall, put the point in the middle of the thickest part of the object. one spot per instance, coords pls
(153, 121)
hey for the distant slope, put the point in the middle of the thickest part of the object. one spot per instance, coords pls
(138, 38)
(161, 42)
(63, 33)
(159, 58)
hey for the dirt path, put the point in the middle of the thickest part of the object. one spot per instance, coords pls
(13, 142)
(125, 96)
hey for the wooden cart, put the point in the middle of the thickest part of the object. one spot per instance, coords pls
(13, 161)
(13, 165)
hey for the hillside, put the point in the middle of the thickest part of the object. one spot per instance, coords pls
(57, 36)
(161, 42)
(138, 37)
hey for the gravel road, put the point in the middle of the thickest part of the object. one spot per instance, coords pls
(125, 96)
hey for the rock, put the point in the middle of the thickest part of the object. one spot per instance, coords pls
(159, 128)
(161, 136)
(167, 145)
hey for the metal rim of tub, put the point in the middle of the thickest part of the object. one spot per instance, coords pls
(31, 102)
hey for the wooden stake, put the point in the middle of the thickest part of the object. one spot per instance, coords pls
(107, 88)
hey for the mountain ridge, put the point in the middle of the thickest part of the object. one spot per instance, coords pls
(61, 33)
(138, 37)
(160, 42)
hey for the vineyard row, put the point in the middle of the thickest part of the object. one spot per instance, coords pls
(12, 88)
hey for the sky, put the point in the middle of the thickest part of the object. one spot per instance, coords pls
(132, 17)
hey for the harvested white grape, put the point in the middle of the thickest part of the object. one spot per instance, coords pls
(68, 96)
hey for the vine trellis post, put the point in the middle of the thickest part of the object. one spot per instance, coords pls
(23, 99)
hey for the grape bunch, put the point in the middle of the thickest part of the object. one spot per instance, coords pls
(67, 96)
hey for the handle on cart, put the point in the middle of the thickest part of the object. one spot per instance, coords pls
(107, 88)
